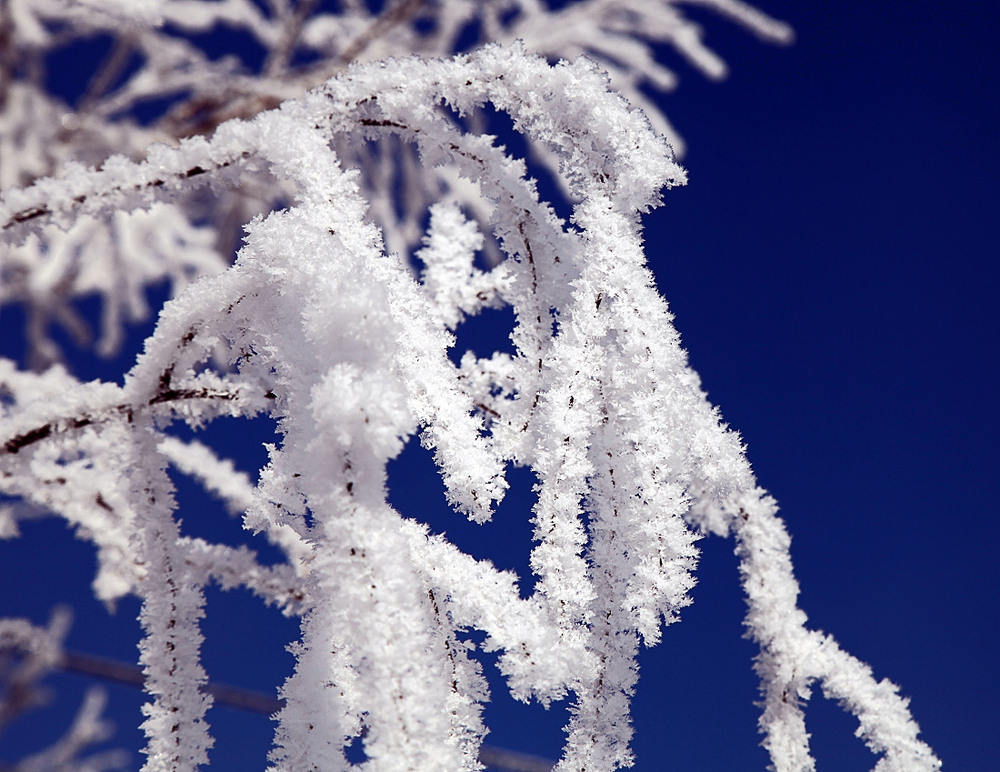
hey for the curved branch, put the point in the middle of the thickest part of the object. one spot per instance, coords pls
(125, 410)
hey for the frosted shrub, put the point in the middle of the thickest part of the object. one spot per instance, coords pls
(324, 324)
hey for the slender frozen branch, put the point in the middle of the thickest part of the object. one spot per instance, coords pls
(321, 323)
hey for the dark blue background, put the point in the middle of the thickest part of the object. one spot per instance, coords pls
(832, 266)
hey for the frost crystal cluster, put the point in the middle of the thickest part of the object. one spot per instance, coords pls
(379, 213)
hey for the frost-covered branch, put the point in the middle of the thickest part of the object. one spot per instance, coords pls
(322, 323)
(152, 59)
(27, 655)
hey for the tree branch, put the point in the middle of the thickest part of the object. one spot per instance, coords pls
(125, 674)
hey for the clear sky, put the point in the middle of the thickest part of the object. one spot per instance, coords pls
(832, 266)
(833, 269)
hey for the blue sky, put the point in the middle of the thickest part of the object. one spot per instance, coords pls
(831, 266)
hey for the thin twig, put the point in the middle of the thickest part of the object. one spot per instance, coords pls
(127, 674)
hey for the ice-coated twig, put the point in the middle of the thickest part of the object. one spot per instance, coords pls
(333, 335)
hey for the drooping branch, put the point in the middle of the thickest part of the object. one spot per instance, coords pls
(349, 354)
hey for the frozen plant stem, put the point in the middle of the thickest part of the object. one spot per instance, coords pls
(323, 323)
